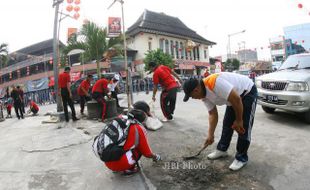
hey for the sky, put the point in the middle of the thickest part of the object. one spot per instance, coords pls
(24, 23)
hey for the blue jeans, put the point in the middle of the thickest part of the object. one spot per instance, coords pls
(249, 105)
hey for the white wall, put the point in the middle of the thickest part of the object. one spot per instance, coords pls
(140, 43)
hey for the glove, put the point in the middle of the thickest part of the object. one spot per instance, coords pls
(156, 158)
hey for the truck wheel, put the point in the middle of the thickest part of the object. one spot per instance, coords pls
(268, 110)
(307, 117)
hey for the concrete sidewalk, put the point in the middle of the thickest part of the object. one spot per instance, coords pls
(55, 156)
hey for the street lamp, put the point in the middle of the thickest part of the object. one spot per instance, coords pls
(128, 74)
(228, 46)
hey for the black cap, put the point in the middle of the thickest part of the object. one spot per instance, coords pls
(67, 69)
(152, 64)
(188, 87)
(142, 105)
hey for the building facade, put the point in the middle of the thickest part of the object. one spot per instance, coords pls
(152, 31)
(299, 34)
(281, 48)
(247, 55)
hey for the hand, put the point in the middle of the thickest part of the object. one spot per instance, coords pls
(70, 95)
(238, 126)
(209, 140)
(156, 157)
(153, 98)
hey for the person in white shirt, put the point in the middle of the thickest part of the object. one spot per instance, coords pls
(113, 87)
(239, 93)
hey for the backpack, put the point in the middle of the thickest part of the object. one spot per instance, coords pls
(108, 144)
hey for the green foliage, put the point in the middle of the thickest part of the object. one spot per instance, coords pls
(159, 57)
(94, 40)
(232, 64)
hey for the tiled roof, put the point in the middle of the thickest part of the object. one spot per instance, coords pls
(160, 23)
(40, 48)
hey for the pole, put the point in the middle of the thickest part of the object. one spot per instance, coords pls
(55, 56)
(128, 74)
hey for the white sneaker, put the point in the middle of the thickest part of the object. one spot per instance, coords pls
(167, 120)
(237, 165)
(217, 154)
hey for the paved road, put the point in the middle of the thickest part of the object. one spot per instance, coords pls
(58, 156)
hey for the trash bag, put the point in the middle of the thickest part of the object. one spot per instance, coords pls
(153, 123)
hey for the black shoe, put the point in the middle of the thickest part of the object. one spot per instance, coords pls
(75, 119)
(18, 117)
(131, 172)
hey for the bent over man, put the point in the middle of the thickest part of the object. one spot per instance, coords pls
(240, 95)
(100, 90)
(164, 76)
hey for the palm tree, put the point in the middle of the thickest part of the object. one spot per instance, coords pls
(95, 42)
(3, 54)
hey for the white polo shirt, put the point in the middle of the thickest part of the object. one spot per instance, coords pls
(219, 85)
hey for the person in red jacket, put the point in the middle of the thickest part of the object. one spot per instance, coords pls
(164, 76)
(83, 91)
(34, 108)
(100, 90)
(136, 145)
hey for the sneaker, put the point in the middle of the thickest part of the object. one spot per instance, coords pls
(237, 165)
(75, 119)
(167, 120)
(217, 154)
(131, 172)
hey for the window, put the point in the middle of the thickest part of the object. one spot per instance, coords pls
(161, 44)
(172, 48)
(150, 46)
(177, 51)
(205, 54)
(182, 50)
(167, 46)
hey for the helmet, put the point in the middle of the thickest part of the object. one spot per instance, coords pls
(142, 105)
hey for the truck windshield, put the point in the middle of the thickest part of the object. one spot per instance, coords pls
(296, 62)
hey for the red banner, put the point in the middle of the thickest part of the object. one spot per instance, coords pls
(114, 26)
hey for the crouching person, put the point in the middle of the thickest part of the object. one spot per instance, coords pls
(121, 143)
(34, 108)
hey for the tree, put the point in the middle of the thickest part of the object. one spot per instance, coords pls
(232, 64)
(3, 54)
(95, 42)
(159, 57)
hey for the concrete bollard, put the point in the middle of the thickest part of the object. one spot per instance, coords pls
(94, 109)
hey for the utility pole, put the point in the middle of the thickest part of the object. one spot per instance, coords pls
(56, 4)
(128, 73)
